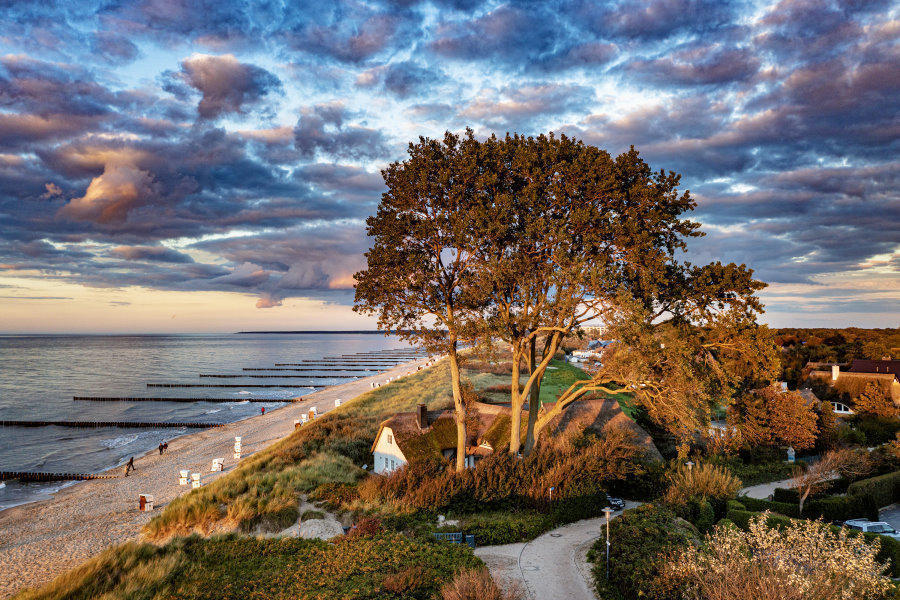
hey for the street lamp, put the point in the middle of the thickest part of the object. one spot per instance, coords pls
(690, 465)
(607, 511)
(551, 493)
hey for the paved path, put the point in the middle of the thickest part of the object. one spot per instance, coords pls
(40, 540)
(764, 490)
(552, 565)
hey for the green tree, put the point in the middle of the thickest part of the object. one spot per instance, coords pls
(419, 278)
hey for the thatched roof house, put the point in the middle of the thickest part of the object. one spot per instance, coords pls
(882, 373)
(414, 435)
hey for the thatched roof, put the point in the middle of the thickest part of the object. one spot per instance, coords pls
(855, 383)
(600, 415)
(440, 434)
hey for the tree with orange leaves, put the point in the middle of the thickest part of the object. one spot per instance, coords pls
(771, 417)
(873, 401)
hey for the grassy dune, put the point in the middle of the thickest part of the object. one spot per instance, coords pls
(263, 491)
(376, 567)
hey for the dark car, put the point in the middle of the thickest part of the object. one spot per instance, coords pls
(615, 503)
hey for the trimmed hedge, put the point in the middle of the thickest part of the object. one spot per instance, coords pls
(884, 489)
(832, 508)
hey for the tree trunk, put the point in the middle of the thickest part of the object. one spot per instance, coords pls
(802, 501)
(516, 401)
(534, 400)
(460, 407)
(534, 405)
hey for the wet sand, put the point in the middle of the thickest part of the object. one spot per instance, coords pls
(40, 540)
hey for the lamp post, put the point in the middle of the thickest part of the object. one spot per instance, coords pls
(551, 493)
(607, 511)
(690, 465)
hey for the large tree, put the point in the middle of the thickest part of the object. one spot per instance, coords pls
(419, 276)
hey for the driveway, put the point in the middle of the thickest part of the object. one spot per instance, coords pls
(890, 515)
(552, 565)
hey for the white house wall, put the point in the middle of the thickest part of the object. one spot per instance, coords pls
(388, 456)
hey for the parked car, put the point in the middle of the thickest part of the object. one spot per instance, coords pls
(616, 503)
(868, 526)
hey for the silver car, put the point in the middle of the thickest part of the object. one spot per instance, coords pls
(879, 527)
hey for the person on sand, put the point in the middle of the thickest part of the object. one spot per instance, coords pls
(262, 410)
(165, 446)
(161, 448)
(130, 466)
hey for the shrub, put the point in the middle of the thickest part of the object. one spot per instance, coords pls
(735, 505)
(889, 552)
(878, 430)
(706, 518)
(842, 508)
(884, 489)
(642, 539)
(477, 584)
(704, 481)
(309, 515)
(784, 508)
(803, 560)
(495, 528)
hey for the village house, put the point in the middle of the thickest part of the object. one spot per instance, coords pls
(853, 381)
(424, 433)
(421, 434)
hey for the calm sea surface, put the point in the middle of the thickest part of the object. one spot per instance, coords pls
(39, 375)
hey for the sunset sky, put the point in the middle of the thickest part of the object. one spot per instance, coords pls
(178, 165)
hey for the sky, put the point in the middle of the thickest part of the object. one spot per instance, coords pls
(191, 166)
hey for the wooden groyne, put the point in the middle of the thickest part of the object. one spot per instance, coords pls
(89, 424)
(281, 376)
(37, 476)
(232, 385)
(344, 369)
(145, 399)
(306, 364)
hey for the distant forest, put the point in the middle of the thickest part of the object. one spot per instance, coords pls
(800, 346)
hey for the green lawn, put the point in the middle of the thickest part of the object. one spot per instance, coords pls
(558, 380)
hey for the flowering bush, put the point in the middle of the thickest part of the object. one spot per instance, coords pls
(804, 560)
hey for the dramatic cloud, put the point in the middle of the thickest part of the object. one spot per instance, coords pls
(237, 146)
(226, 84)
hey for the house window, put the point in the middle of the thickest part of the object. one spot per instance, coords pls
(392, 464)
(841, 408)
(390, 439)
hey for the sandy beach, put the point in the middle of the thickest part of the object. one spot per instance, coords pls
(40, 540)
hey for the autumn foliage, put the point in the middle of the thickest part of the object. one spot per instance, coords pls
(771, 417)
(874, 401)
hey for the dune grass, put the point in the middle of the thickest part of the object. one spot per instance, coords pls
(263, 491)
(375, 567)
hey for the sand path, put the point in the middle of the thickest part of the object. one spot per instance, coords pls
(553, 565)
(38, 541)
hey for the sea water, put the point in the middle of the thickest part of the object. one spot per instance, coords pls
(39, 375)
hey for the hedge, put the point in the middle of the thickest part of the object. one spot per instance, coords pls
(832, 508)
(884, 489)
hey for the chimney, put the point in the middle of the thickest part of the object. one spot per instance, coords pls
(421, 416)
(835, 372)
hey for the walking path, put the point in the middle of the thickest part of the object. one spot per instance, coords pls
(764, 490)
(38, 541)
(553, 565)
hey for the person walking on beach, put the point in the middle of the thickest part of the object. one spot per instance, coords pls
(161, 448)
(262, 410)
(165, 446)
(130, 466)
